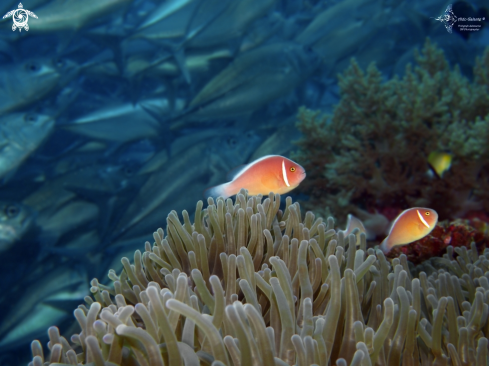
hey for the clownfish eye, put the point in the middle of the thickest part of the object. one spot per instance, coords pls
(427, 213)
(292, 168)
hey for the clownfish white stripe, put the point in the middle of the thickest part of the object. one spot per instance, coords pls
(423, 220)
(284, 174)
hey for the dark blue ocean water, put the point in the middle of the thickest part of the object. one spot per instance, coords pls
(115, 112)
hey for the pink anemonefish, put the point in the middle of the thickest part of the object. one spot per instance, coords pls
(411, 225)
(272, 173)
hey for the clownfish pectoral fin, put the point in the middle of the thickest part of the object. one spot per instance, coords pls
(221, 190)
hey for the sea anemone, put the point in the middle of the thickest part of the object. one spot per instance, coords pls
(250, 284)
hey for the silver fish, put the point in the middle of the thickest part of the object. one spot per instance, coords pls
(203, 24)
(181, 23)
(165, 10)
(262, 30)
(346, 41)
(27, 82)
(15, 220)
(21, 322)
(230, 23)
(336, 17)
(20, 135)
(39, 318)
(69, 217)
(251, 81)
(198, 160)
(196, 63)
(117, 122)
(89, 196)
(166, 23)
(63, 15)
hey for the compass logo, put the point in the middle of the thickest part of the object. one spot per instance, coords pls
(20, 17)
(448, 19)
(465, 24)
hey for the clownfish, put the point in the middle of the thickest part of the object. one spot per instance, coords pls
(411, 225)
(272, 173)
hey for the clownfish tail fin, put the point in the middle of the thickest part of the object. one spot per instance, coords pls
(384, 246)
(221, 190)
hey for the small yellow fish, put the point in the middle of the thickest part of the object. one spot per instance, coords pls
(272, 173)
(411, 225)
(440, 162)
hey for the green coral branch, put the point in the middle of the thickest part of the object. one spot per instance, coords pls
(372, 150)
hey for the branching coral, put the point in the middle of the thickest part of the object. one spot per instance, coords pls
(373, 150)
(248, 284)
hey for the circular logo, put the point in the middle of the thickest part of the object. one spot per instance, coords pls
(20, 18)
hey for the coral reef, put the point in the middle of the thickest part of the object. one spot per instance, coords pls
(248, 284)
(372, 151)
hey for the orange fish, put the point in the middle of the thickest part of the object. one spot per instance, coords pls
(272, 173)
(411, 225)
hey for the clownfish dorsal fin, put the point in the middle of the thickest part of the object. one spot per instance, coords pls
(236, 172)
(392, 225)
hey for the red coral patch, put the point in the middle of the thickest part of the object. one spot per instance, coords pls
(458, 233)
